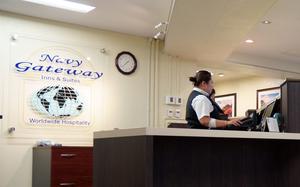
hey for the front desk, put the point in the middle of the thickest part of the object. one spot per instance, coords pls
(161, 157)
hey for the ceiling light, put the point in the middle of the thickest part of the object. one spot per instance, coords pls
(159, 35)
(221, 74)
(266, 22)
(63, 4)
(160, 24)
(249, 41)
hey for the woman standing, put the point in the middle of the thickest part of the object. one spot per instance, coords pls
(200, 112)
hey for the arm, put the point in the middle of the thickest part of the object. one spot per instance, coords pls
(205, 120)
(203, 107)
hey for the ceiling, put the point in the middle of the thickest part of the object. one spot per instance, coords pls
(213, 29)
(210, 32)
(136, 17)
(277, 45)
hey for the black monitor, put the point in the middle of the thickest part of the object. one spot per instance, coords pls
(255, 120)
(267, 111)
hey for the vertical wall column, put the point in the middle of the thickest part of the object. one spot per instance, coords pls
(153, 91)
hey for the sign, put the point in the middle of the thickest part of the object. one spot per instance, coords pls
(57, 86)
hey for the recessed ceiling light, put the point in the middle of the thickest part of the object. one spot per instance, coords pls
(221, 74)
(249, 41)
(266, 22)
(63, 4)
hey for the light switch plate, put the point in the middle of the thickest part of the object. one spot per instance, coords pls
(170, 100)
(178, 100)
(177, 113)
(170, 113)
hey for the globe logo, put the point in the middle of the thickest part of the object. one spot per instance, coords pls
(57, 101)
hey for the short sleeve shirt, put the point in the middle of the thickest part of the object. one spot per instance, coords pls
(201, 104)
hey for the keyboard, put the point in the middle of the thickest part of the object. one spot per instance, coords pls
(246, 123)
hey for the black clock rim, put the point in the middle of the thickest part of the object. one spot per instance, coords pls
(117, 65)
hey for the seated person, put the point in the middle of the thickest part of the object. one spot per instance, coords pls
(201, 113)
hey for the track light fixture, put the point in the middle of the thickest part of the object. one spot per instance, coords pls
(159, 35)
(161, 24)
(161, 30)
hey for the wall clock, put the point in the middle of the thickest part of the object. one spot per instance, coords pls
(126, 63)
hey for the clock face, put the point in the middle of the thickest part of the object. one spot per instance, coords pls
(126, 62)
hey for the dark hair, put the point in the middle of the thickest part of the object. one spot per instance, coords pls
(201, 76)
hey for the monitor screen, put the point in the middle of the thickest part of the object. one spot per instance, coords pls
(268, 111)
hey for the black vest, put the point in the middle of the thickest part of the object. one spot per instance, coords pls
(191, 116)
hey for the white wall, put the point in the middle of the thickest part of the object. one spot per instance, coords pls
(125, 102)
(173, 78)
(246, 90)
(15, 165)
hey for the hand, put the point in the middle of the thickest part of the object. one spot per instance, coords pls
(235, 122)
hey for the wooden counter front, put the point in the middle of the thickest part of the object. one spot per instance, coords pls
(150, 157)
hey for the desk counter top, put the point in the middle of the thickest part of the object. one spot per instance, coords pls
(194, 133)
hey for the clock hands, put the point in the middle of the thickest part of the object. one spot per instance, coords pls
(125, 63)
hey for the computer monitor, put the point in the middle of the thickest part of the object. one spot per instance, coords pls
(268, 111)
